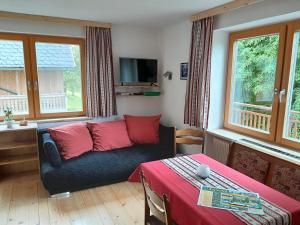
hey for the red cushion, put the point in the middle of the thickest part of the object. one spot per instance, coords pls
(109, 135)
(143, 129)
(72, 139)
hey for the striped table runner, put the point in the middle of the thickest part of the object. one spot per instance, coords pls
(186, 167)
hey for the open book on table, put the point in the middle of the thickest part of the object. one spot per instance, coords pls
(248, 202)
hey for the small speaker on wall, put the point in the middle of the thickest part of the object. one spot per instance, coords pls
(168, 75)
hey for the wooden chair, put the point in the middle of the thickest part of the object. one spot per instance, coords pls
(158, 206)
(189, 137)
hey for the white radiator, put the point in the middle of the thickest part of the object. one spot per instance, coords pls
(217, 148)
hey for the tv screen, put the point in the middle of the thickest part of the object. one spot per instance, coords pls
(138, 70)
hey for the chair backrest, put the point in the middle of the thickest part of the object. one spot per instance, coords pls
(190, 137)
(158, 205)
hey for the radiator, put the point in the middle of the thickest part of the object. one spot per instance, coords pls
(217, 149)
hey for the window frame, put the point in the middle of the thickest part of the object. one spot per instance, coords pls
(292, 27)
(24, 39)
(31, 71)
(260, 31)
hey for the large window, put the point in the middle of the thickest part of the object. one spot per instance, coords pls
(263, 85)
(42, 76)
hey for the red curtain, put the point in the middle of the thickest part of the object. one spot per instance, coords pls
(198, 84)
(101, 99)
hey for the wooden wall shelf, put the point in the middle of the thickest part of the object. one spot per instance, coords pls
(18, 145)
(18, 159)
(18, 149)
(137, 90)
(136, 86)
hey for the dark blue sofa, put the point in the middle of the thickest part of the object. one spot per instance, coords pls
(94, 169)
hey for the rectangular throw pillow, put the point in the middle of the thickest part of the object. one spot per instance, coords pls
(109, 135)
(143, 129)
(72, 139)
(51, 151)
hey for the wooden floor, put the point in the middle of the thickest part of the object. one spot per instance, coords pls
(24, 200)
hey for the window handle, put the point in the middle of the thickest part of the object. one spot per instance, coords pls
(28, 85)
(281, 94)
(35, 85)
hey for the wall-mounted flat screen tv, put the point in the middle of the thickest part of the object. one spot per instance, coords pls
(134, 70)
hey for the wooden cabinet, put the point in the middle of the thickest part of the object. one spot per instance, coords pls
(18, 149)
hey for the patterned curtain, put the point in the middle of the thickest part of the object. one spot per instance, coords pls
(198, 84)
(101, 100)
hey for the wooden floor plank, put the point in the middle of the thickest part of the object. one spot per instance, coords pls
(70, 209)
(128, 202)
(105, 216)
(44, 216)
(57, 217)
(33, 208)
(23, 203)
(5, 196)
(113, 206)
(24, 200)
(138, 195)
(89, 212)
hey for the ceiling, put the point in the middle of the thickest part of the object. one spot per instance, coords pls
(153, 13)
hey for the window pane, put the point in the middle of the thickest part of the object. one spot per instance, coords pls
(59, 76)
(254, 71)
(13, 84)
(292, 118)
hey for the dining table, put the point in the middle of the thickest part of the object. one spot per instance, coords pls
(177, 178)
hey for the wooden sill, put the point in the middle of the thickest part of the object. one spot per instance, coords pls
(17, 145)
(261, 146)
(18, 159)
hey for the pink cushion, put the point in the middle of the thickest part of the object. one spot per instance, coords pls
(109, 135)
(72, 139)
(143, 129)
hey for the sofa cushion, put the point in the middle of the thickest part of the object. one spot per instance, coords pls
(250, 164)
(143, 129)
(72, 139)
(109, 135)
(51, 151)
(93, 169)
(287, 181)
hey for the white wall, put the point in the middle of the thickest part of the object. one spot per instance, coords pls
(127, 42)
(218, 79)
(175, 44)
(136, 42)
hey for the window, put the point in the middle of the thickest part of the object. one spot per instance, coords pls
(289, 113)
(263, 85)
(42, 76)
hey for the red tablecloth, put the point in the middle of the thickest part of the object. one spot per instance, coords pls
(183, 196)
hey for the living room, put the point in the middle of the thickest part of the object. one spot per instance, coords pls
(136, 112)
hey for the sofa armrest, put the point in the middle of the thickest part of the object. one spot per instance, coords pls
(50, 150)
(166, 139)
